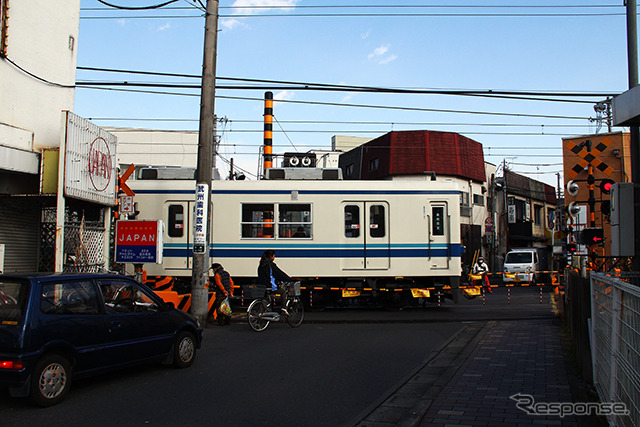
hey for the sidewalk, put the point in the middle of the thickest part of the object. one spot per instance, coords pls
(470, 380)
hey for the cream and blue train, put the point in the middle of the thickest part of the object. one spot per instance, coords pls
(341, 238)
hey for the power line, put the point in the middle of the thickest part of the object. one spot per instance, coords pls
(157, 6)
(398, 6)
(357, 87)
(355, 122)
(337, 104)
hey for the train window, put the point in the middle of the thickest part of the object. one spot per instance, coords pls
(352, 221)
(176, 221)
(257, 220)
(294, 220)
(438, 220)
(376, 221)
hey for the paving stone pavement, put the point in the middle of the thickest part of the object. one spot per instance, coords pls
(470, 381)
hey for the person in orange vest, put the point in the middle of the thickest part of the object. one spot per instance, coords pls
(224, 289)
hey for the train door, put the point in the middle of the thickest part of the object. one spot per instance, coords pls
(178, 236)
(365, 239)
(438, 235)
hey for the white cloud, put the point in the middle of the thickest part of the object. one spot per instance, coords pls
(283, 96)
(379, 51)
(255, 7)
(366, 35)
(230, 24)
(262, 5)
(378, 55)
(388, 59)
(165, 27)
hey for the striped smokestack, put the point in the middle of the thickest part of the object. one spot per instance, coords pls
(268, 131)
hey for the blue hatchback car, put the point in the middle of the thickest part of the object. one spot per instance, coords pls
(55, 326)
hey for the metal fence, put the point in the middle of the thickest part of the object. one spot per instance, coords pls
(615, 314)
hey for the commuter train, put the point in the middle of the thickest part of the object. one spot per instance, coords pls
(394, 241)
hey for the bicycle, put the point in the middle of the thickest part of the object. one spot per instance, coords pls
(261, 311)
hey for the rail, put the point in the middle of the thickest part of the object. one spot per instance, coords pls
(615, 317)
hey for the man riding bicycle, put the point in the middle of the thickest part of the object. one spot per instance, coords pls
(270, 276)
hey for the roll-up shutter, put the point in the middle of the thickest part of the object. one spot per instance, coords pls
(20, 233)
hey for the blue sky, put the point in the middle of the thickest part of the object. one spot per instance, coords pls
(466, 45)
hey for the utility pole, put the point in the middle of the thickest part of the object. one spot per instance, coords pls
(204, 172)
(634, 134)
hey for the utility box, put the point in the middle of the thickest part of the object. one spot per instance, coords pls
(623, 196)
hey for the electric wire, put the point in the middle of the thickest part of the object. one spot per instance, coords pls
(337, 104)
(157, 6)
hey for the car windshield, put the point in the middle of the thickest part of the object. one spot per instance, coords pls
(519, 258)
(13, 299)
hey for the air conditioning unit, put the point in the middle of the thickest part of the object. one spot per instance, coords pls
(299, 160)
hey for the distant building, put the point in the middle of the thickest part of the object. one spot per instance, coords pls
(528, 209)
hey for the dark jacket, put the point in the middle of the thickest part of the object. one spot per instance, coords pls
(264, 274)
(224, 283)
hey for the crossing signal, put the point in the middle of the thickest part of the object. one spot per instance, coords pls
(572, 188)
(572, 247)
(605, 207)
(573, 209)
(605, 185)
(592, 236)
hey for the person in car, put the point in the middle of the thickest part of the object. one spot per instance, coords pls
(270, 276)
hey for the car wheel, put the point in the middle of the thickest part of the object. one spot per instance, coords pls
(184, 352)
(50, 380)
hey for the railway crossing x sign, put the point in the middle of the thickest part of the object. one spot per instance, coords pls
(588, 157)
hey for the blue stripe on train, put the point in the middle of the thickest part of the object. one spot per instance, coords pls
(423, 252)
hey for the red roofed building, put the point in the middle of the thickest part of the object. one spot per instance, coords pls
(414, 153)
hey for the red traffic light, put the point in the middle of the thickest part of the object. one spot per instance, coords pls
(605, 185)
(572, 247)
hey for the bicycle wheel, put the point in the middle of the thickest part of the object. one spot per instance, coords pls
(254, 315)
(296, 313)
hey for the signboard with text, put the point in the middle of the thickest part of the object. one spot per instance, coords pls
(139, 241)
(200, 224)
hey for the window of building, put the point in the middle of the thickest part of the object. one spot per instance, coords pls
(373, 164)
(352, 221)
(522, 212)
(537, 215)
(465, 209)
(478, 199)
(349, 170)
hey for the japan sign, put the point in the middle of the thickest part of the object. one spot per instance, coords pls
(139, 241)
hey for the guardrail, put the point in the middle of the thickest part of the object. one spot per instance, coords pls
(615, 317)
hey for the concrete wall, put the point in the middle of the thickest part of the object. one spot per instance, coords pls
(43, 40)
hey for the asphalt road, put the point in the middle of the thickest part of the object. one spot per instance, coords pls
(330, 371)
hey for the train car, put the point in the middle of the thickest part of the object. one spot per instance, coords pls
(375, 240)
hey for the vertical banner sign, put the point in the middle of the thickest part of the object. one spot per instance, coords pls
(139, 241)
(200, 223)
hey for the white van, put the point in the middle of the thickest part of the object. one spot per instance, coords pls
(520, 265)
